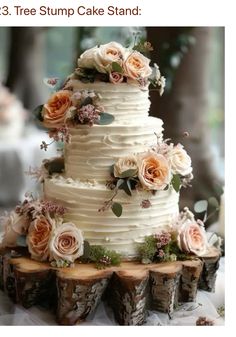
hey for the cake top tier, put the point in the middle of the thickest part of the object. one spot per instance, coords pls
(104, 69)
(114, 63)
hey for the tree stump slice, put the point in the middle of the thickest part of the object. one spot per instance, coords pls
(164, 282)
(211, 263)
(80, 290)
(35, 282)
(191, 271)
(130, 289)
(128, 294)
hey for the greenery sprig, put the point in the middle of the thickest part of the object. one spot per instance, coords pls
(161, 248)
(101, 256)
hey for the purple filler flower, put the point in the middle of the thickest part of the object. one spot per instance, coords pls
(88, 114)
(163, 239)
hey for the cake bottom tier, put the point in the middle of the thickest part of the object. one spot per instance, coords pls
(83, 200)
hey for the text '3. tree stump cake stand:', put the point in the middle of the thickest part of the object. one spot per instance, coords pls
(130, 289)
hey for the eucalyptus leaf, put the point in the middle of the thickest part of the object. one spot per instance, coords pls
(37, 112)
(200, 206)
(176, 182)
(126, 187)
(128, 173)
(117, 209)
(116, 67)
(213, 202)
(105, 119)
(119, 182)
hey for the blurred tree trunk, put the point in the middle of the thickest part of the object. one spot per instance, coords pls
(25, 72)
(185, 108)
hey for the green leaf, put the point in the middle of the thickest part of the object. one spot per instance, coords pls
(200, 206)
(176, 182)
(128, 173)
(119, 182)
(86, 250)
(105, 119)
(117, 68)
(126, 187)
(37, 112)
(117, 209)
(213, 202)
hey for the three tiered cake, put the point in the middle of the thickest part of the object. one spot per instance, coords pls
(113, 194)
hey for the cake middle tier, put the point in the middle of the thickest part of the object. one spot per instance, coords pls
(83, 200)
(92, 150)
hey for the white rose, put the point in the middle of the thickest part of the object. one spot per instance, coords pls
(86, 59)
(66, 243)
(124, 164)
(106, 54)
(14, 226)
(191, 237)
(136, 66)
(180, 161)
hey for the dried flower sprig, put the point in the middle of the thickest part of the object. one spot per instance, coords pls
(202, 320)
(36, 173)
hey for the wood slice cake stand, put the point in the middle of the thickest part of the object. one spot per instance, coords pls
(129, 289)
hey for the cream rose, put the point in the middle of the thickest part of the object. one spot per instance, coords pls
(66, 243)
(86, 59)
(106, 54)
(38, 237)
(14, 226)
(54, 111)
(180, 161)
(124, 164)
(136, 66)
(154, 171)
(191, 238)
(115, 77)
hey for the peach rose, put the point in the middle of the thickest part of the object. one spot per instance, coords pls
(180, 161)
(38, 237)
(154, 171)
(115, 77)
(66, 243)
(55, 109)
(106, 54)
(86, 59)
(124, 164)
(136, 66)
(191, 238)
(14, 225)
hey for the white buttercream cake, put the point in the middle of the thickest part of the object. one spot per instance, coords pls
(88, 158)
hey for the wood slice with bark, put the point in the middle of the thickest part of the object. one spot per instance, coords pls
(211, 263)
(130, 288)
(35, 282)
(164, 282)
(80, 290)
(129, 293)
(191, 271)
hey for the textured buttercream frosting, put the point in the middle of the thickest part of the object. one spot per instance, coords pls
(82, 201)
(88, 159)
(93, 150)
